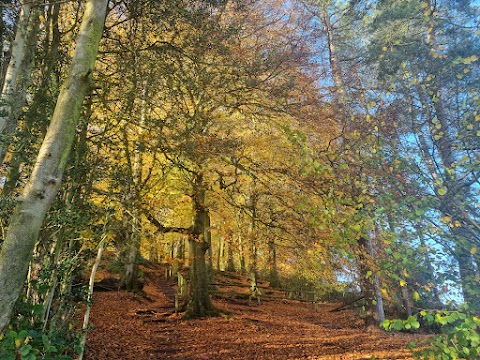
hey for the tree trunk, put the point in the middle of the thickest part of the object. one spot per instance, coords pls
(18, 75)
(380, 312)
(254, 262)
(153, 253)
(230, 261)
(274, 278)
(243, 265)
(252, 205)
(467, 269)
(36, 115)
(368, 286)
(332, 54)
(452, 180)
(14, 173)
(181, 248)
(130, 276)
(46, 176)
(207, 236)
(133, 238)
(406, 299)
(221, 254)
(91, 284)
(431, 271)
(199, 303)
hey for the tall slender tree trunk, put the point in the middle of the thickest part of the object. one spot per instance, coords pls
(467, 269)
(273, 270)
(369, 282)
(47, 174)
(221, 254)
(447, 205)
(37, 111)
(445, 145)
(332, 53)
(369, 285)
(230, 260)
(91, 284)
(252, 235)
(243, 263)
(134, 232)
(380, 312)
(207, 236)
(14, 171)
(18, 74)
(431, 271)
(407, 305)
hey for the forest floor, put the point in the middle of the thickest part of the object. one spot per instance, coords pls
(145, 326)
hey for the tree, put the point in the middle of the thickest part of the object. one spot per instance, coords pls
(46, 176)
(432, 71)
(352, 160)
(18, 73)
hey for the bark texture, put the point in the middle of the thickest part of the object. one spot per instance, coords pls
(200, 303)
(46, 176)
(18, 74)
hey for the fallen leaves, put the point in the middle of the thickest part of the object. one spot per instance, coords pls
(276, 329)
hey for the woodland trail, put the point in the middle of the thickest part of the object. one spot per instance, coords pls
(140, 327)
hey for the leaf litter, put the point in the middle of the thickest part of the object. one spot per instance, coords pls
(145, 326)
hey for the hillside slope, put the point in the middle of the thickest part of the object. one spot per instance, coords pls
(141, 327)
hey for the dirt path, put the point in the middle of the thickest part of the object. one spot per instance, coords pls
(142, 327)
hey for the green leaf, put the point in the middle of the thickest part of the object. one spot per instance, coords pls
(38, 309)
(25, 350)
(397, 324)
(45, 341)
(442, 191)
(22, 335)
(442, 320)
(30, 356)
(453, 317)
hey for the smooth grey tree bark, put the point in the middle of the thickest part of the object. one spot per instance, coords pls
(18, 74)
(52, 158)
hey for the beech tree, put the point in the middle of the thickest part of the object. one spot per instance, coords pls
(47, 174)
(18, 73)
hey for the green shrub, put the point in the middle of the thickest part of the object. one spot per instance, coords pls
(459, 337)
(33, 344)
(26, 338)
